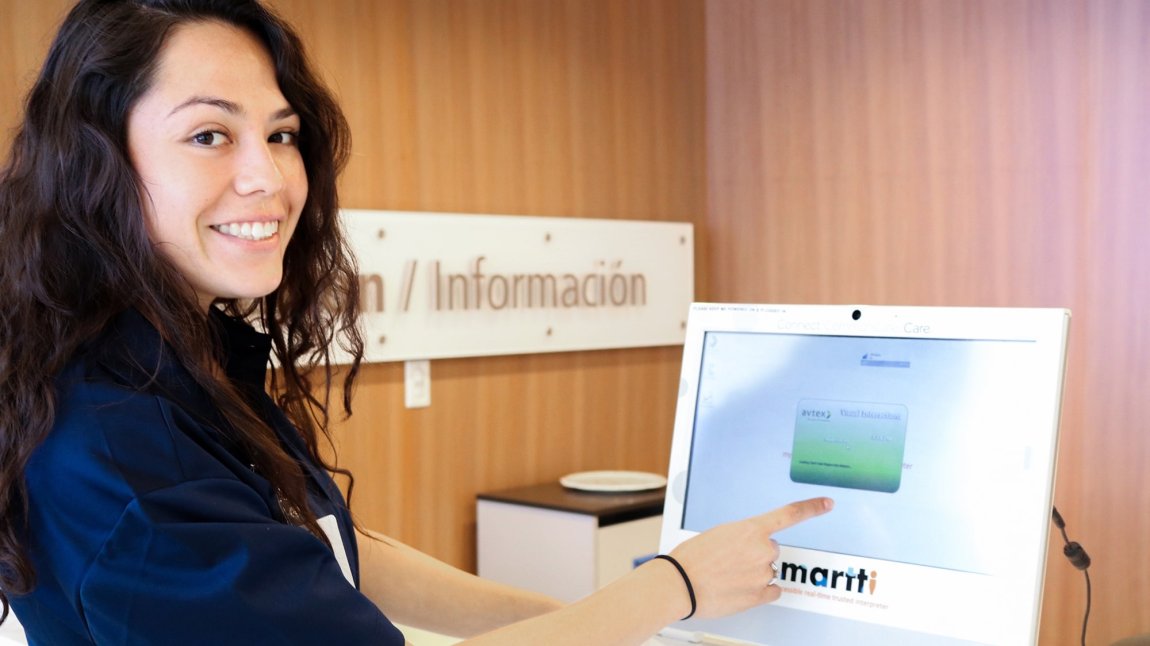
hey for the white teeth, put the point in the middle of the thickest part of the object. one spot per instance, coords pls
(249, 230)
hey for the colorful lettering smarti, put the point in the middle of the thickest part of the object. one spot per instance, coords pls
(849, 580)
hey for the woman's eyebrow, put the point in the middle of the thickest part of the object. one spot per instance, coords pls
(283, 113)
(231, 107)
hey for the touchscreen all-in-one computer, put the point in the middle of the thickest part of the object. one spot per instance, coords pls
(933, 429)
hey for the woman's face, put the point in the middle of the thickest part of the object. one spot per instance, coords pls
(214, 143)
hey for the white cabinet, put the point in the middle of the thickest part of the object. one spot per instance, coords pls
(565, 543)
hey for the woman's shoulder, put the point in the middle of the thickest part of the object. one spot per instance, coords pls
(111, 448)
(146, 430)
(128, 420)
(113, 441)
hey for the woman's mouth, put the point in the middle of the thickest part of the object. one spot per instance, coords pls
(248, 230)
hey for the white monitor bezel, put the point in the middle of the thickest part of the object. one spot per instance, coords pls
(1047, 327)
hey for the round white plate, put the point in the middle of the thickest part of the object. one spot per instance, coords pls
(613, 481)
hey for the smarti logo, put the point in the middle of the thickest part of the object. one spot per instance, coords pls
(849, 580)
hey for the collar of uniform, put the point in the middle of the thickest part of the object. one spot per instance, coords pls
(133, 350)
(246, 351)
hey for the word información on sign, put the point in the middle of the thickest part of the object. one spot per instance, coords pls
(439, 285)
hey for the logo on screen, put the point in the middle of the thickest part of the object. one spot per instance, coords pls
(815, 413)
(849, 580)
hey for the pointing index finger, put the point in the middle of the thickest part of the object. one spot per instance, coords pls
(795, 513)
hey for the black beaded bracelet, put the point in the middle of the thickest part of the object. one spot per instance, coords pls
(686, 580)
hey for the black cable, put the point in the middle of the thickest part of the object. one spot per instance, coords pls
(1080, 560)
(1086, 617)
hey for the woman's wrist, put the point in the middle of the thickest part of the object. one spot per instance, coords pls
(686, 581)
(682, 600)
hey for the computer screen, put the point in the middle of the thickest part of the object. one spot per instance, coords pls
(934, 430)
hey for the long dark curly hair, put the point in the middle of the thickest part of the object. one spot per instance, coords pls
(74, 249)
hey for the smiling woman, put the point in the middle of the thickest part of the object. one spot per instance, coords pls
(168, 220)
(152, 199)
(214, 142)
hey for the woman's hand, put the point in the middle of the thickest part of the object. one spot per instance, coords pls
(730, 566)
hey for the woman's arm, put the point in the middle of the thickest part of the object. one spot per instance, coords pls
(415, 589)
(729, 567)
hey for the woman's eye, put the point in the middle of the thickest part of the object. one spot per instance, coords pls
(209, 138)
(288, 137)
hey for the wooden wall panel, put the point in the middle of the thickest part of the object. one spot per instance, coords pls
(516, 106)
(959, 153)
(26, 30)
(588, 108)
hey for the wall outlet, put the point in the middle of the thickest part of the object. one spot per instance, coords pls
(417, 383)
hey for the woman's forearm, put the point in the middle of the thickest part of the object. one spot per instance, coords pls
(626, 612)
(731, 567)
(413, 588)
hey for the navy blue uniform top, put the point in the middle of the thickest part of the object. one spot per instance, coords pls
(146, 528)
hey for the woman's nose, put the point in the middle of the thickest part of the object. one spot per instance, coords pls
(258, 170)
